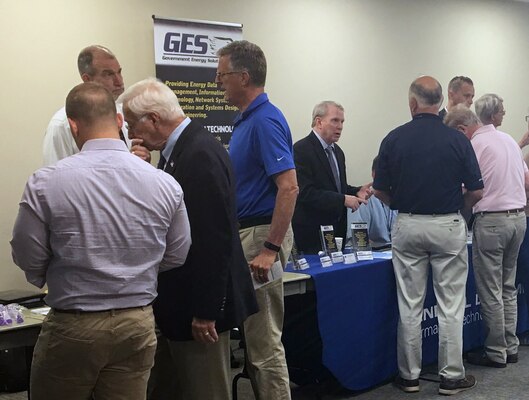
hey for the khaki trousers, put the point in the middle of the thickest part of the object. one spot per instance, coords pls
(202, 370)
(103, 355)
(495, 246)
(265, 354)
(439, 241)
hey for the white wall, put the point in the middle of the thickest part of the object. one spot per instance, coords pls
(363, 54)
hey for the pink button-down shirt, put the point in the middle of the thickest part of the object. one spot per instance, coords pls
(503, 170)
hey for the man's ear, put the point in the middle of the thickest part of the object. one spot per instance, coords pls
(74, 128)
(462, 128)
(86, 78)
(76, 134)
(119, 120)
(245, 78)
(413, 105)
(154, 117)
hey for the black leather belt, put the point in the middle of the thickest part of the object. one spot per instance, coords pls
(60, 311)
(254, 221)
(513, 211)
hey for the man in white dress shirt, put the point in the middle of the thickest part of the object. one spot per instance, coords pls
(96, 64)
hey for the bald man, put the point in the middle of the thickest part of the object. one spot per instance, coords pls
(97, 228)
(422, 166)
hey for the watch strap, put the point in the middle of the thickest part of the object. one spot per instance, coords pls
(271, 246)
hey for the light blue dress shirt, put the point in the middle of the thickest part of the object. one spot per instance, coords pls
(379, 219)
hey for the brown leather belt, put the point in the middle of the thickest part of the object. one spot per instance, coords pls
(73, 311)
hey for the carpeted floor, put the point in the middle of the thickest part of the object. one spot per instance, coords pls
(511, 383)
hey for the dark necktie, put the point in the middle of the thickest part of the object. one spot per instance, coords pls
(122, 136)
(330, 156)
(161, 163)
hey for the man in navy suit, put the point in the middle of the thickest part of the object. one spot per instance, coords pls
(324, 193)
(213, 291)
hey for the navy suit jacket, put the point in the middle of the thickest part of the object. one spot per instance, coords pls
(319, 201)
(215, 282)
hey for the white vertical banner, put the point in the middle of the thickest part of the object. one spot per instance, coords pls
(186, 60)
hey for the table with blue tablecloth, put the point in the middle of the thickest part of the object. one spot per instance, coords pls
(356, 317)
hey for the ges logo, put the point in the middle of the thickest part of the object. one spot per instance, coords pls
(189, 43)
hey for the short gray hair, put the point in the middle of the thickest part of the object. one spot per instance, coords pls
(488, 105)
(246, 56)
(461, 115)
(320, 110)
(426, 97)
(86, 57)
(151, 95)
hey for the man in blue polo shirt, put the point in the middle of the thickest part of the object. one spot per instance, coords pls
(266, 188)
(422, 166)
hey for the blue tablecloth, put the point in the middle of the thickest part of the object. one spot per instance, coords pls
(358, 314)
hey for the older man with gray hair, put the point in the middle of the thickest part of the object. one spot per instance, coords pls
(463, 119)
(422, 165)
(489, 109)
(324, 193)
(466, 121)
(212, 292)
(499, 229)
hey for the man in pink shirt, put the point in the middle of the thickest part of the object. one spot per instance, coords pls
(498, 232)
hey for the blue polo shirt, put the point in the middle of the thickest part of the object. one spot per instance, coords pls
(260, 147)
(423, 165)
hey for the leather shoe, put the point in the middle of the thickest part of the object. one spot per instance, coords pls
(407, 385)
(448, 387)
(512, 358)
(481, 358)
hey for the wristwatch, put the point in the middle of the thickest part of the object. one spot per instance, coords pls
(271, 246)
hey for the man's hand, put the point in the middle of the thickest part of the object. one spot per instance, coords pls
(261, 264)
(204, 331)
(366, 191)
(138, 150)
(353, 202)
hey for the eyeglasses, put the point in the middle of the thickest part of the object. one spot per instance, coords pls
(220, 75)
(131, 127)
